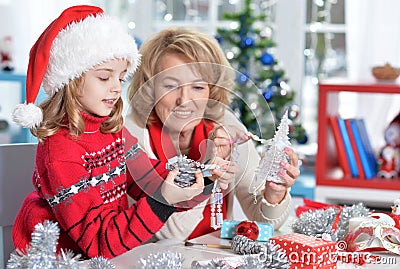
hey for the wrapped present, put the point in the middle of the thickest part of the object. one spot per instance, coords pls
(228, 230)
(305, 251)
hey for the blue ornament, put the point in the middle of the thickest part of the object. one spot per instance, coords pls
(218, 38)
(138, 41)
(242, 78)
(267, 59)
(303, 140)
(268, 93)
(246, 42)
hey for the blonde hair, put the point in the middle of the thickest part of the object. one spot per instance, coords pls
(62, 110)
(196, 47)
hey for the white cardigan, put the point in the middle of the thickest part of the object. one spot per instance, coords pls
(181, 224)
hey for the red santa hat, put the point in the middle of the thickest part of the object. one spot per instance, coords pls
(79, 39)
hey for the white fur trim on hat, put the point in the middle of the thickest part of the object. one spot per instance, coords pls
(27, 115)
(83, 45)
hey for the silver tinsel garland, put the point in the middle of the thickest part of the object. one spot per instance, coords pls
(100, 263)
(320, 222)
(164, 260)
(42, 253)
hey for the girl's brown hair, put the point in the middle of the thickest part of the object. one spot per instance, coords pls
(62, 110)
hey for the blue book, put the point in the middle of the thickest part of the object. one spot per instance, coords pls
(349, 150)
(362, 151)
(371, 157)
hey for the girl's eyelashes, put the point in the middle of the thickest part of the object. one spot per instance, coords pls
(198, 88)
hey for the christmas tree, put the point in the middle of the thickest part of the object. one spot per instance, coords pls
(262, 93)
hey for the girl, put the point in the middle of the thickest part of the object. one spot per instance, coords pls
(80, 173)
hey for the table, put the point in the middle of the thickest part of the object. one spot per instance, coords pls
(129, 260)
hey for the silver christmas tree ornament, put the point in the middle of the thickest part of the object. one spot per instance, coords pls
(270, 163)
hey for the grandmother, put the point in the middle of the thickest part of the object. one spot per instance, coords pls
(179, 101)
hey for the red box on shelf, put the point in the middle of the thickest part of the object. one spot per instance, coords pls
(305, 251)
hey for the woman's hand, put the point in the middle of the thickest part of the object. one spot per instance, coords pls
(225, 173)
(274, 193)
(174, 194)
(223, 137)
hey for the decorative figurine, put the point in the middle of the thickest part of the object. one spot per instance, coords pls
(6, 51)
(396, 213)
(389, 157)
(396, 207)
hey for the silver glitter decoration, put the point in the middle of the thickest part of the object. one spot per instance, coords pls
(164, 260)
(270, 164)
(41, 254)
(187, 167)
(319, 223)
(270, 255)
(18, 259)
(256, 255)
(68, 260)
(243, 245)
(100, 263)
(213, 264)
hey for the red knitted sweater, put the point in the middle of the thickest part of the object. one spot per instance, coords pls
(84, 183)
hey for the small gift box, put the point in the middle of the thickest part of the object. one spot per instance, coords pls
(305, 251)
(228, 230)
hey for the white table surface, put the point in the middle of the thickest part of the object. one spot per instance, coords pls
(130, 259)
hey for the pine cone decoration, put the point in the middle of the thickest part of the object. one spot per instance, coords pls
(187, 167)
(271, 256)
(243, 245)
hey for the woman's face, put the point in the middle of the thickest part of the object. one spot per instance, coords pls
(181, 95)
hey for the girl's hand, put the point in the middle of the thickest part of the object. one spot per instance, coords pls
(174, 194)
(274, 193)
(223, 137)
(225, 174)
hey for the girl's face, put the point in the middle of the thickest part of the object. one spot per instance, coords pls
(102, 87)
(181, 95)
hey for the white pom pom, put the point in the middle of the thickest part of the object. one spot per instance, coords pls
(27, 115)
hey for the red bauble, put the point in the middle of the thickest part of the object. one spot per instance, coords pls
(248, 229)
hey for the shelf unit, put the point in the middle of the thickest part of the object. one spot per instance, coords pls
(331, 185)
(18, 77)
